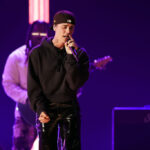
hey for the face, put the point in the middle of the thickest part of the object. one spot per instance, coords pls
(63, 30)
(39, 31)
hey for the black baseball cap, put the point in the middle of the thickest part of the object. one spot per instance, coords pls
(63, 16)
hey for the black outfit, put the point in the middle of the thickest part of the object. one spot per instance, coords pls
(53, 80)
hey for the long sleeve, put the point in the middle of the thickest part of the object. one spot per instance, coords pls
(77, 72)
(11, 81)
(35, 93)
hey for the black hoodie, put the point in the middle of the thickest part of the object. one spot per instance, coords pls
(54, 76)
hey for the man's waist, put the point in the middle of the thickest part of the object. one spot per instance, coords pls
(61, 98)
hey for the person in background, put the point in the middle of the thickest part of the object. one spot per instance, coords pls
(14, 81)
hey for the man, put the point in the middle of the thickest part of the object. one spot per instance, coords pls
(14, 80)
(57, 69)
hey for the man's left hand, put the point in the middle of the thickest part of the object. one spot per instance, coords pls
(70, 44)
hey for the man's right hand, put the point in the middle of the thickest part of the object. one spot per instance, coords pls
(44, 118)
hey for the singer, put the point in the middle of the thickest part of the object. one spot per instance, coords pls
(57, 68)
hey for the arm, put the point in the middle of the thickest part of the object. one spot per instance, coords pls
(35, 93)
(11, 81)
(77, 72)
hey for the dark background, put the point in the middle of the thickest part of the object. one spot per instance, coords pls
(119, 28)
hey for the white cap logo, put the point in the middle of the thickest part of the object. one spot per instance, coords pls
(69, 21)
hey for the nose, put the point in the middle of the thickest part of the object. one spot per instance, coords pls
(68, 30)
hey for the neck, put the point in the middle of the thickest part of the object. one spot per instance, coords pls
(57, 43)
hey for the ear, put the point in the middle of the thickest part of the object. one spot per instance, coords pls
(54, 27)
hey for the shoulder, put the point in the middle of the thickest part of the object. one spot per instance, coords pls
(18, 53)
(82, 52)
(41, 48)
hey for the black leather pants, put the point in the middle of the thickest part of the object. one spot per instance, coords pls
(63, 130)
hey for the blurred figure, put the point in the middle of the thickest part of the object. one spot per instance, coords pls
(14, 81)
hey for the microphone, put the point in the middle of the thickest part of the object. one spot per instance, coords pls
(43, 127)
(73, 50)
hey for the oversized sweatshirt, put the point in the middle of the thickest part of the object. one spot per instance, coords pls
(55, 76)
(14, 77)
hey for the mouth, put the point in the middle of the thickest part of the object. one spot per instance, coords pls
(66, 37)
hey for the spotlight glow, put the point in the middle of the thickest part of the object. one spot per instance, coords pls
(38, 10)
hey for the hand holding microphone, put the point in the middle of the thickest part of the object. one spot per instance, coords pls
(71, 47)
(44, 118)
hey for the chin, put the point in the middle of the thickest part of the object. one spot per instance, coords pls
(64, 40)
